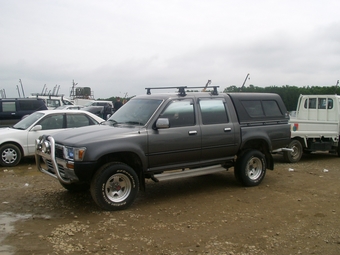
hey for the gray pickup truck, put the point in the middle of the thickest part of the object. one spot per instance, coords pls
(164, 136)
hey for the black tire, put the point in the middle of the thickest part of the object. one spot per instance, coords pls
(10, 155)
(250, 168)
(76, 187)
(295, 156)
(115, 186)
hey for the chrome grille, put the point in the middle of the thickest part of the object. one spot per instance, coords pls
(51, 170)
(58, 151)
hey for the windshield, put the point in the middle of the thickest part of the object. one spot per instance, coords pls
(28, 121)
(135, 112)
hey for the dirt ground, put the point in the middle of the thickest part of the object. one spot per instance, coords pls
(295, 210)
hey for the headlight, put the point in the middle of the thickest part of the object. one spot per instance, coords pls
(45, 147)
(76, 154)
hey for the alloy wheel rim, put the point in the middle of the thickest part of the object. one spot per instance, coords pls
(254, 168)
(118, 188)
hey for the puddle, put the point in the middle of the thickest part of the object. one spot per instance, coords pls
(6, 227)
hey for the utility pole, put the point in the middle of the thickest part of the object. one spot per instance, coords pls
(22, 88)
(336, 86)
(247, 78)
(18, 91)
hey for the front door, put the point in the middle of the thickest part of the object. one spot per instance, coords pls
(181, 142)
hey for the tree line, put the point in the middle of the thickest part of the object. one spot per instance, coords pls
(289, 94)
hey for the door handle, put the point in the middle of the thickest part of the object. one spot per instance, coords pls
(227, 129)
(194, 132)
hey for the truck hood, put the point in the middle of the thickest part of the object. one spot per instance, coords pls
(97, 133)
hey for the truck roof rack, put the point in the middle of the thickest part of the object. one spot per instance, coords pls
(181, 89)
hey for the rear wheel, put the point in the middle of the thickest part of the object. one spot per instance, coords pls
(115, 186)
(10, 155)
(296, 154)
(250, 168)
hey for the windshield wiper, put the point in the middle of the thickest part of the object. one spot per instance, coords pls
(112, 122)
(133, 123)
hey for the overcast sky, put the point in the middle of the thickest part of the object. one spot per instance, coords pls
(122, 47)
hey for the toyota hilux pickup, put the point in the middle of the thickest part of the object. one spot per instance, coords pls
(164, 136)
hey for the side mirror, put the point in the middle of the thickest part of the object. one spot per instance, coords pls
(162, 123)
(36, 128)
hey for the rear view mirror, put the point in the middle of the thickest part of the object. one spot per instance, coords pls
(162, 123)
(36, 128)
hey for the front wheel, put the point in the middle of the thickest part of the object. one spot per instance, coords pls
(10, 155)
(296, 154)
(115, 186)
(250, 168)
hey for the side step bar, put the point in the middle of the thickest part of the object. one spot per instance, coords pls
(188, 173)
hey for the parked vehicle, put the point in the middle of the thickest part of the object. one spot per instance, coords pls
(102, 109)
(54, 101)
(19, 141)
(70, 107)
(168, 136)
(315, 126)
(13, 110)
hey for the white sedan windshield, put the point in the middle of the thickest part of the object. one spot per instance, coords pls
(28, 121)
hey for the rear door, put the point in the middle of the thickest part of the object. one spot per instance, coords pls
(217, 130)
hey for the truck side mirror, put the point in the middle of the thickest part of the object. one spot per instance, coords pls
(162, 123)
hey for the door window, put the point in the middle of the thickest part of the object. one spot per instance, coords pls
(78, 120)
(52, 122)
(8, 107)
(180, 113)
(213, 111)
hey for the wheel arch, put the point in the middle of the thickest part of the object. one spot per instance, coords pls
(129, 158)
(16, 144)
(262, 146)
(302, 140)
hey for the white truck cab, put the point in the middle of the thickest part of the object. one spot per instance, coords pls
(53, 102)
(315, 126)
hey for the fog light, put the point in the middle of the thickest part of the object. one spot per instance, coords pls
(70, 165)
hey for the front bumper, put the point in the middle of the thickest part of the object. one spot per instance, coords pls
(48, 163)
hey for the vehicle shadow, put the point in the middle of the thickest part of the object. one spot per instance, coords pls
(200, 187)
(306, 157)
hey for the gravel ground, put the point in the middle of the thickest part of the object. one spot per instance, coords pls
(295, 210)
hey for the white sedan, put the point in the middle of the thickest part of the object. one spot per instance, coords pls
(19, 141)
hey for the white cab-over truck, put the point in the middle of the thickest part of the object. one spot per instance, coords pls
(315, 126)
